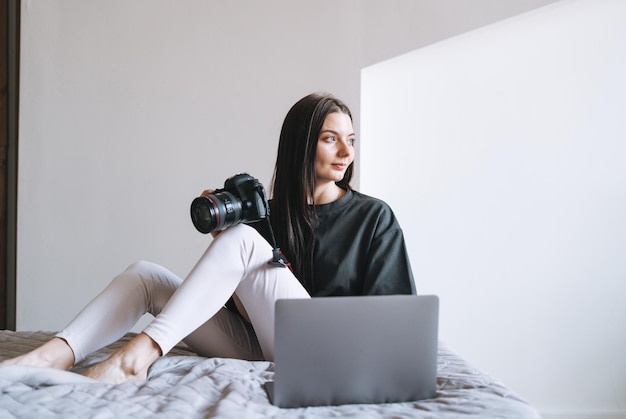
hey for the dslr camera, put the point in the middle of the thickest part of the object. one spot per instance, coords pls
(242, 199)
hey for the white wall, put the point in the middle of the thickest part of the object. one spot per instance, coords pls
(128, 109)
(502, 152)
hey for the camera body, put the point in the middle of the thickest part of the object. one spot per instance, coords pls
(243, 199)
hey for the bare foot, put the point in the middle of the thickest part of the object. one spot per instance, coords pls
(55, 353)
(129, 363)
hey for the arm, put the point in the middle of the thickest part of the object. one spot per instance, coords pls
(388, 268)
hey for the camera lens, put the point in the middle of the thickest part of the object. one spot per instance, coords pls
(215, 211)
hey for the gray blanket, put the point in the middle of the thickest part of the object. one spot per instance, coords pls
(184, 385)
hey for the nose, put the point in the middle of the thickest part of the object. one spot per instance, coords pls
(344, 149)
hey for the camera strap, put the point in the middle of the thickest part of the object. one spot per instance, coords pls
(278, 258)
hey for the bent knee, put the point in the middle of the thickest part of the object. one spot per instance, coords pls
(244, 233)
(149, 272)
(142, 266)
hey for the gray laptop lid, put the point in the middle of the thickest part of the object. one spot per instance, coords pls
(340, 350)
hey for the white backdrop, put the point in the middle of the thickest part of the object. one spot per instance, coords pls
(502, 152)
(128, 109)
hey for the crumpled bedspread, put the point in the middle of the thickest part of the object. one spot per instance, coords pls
(184, 385)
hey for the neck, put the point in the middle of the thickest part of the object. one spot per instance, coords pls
(327, 193)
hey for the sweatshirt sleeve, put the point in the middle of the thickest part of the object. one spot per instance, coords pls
(388, 268)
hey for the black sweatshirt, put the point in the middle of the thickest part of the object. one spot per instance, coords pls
(359, 249)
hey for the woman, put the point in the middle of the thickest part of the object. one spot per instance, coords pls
(339, 242)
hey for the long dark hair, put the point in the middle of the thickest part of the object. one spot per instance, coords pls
(293, 211)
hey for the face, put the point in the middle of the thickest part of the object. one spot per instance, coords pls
(335, 148)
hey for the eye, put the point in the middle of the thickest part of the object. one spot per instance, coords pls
(351, 140)
(331, 139)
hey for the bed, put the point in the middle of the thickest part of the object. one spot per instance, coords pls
(185, 385)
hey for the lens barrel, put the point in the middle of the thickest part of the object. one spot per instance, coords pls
(216, 211)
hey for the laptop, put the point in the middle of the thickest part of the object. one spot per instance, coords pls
(346, 350)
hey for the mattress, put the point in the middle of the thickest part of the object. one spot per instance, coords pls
(185, 385)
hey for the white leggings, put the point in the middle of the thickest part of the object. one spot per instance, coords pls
(193, 310)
